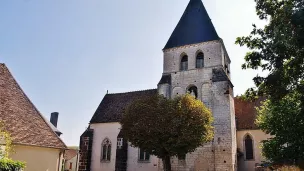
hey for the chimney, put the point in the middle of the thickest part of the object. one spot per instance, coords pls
(54, 118)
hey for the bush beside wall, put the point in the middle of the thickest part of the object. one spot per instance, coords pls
(10, 165)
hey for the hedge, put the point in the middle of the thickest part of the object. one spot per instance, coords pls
(10, 165)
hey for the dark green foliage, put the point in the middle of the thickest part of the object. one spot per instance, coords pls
(284, 119)
(10, 165)
(167, 127)
(278, 47)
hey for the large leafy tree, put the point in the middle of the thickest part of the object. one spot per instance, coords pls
(279, 49)
(167, 127)
(283, 119)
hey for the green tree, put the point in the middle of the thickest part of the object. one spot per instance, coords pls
(167, 127)
(284, 120)
(277, 48)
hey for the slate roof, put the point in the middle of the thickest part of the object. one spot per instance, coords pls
(246, 113)
(195, 26)
(166, 79)
(21, 118)
(112, 106)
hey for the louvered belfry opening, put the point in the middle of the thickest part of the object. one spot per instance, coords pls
(200, 60)
(184, 63)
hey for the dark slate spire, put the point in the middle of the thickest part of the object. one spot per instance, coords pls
(195, 26)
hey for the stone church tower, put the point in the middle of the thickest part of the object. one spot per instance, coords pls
(196, 62)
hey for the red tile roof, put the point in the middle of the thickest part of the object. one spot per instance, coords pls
(70, 153)
(245, 113)
(21, 118)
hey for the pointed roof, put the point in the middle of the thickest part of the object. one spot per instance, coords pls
(195, 26)
(21, 118)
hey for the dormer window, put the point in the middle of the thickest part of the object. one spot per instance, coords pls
(184, 63)
(200, 60)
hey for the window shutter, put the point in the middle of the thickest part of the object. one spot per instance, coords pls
(147, 156)
(141, 154)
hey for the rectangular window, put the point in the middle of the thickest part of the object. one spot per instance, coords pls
(143, 156)
(71, 165)
(119, 142)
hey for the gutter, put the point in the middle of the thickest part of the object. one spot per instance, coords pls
(77, 161)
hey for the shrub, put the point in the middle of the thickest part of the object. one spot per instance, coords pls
(10, 165)
(279, 168)
(288, 168)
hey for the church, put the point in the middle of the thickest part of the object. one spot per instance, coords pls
(195, 61)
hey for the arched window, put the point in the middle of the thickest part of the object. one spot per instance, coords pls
(193, 91)
(184, 63)
(200, 60)
(106, 150)
(248, 147)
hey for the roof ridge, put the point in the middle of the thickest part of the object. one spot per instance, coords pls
(34, 107)
(136, 91)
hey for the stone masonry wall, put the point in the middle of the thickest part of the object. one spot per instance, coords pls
(215, 90)
(85, 153)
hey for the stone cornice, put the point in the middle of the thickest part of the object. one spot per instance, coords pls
(191, 45)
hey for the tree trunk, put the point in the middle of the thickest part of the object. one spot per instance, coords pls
(167, 163)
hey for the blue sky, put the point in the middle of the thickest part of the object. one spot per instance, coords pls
(66, 54)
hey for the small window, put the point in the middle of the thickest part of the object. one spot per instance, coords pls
(200, 60)
(106, 150)
(248, 147)
(192, 91)
(143, 156)
(71, 165)
(119, 142)
(184, 63)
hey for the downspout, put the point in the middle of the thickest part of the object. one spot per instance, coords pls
(59, 162)
(58, 167)
(76, 168)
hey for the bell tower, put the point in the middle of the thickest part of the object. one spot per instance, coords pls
(196, 62)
